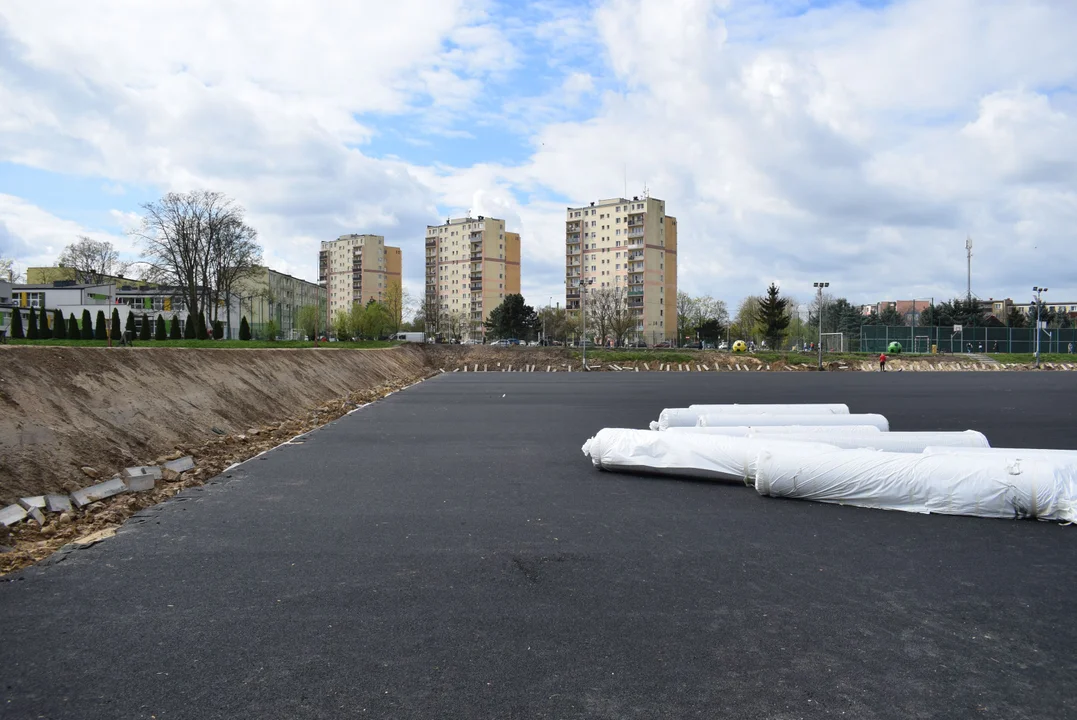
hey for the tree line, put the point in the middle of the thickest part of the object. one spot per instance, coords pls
(40, 327)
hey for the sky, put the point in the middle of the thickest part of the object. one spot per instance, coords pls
(857, 143)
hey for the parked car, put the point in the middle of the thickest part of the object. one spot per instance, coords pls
(635, 344)
(664, 344)
(695, 345)
(586, 343)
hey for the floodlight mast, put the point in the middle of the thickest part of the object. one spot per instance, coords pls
(1036, 289)
(820, 286)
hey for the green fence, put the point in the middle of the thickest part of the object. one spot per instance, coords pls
(876, 338)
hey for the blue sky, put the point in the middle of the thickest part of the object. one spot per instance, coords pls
(861, 140)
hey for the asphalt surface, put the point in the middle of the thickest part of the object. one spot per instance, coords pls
(450, 553)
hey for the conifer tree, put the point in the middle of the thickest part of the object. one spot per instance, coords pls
(188, 328)
(73, 332)
(16, 324)
(174, 332)
(86, 329)
(160, 333)
(99, 331)
(115, 332)
(144, 332)
(59, 325)
(31, 329)
(244, 329)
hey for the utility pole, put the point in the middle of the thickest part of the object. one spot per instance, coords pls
(583, 317)
(968, 251)
(820, 286)
(1038, 290)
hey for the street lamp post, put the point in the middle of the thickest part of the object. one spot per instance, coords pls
(1038, 290)
(819, 286)
(583, 318)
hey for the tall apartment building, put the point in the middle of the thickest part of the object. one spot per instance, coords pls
(471, 265)
(356, 269)
(629, 245)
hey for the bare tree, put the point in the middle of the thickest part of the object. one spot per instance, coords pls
(604, 305)
(432, 315)
(394, 303)
(8, 271)
(458, 323)
(622, 321)
(199, 242)
(93, 261)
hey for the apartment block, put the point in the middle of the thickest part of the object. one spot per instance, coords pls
(266, 294)
(356, 269)
(471, 265)
(629, 246)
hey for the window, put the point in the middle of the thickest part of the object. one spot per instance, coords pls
(35, 299)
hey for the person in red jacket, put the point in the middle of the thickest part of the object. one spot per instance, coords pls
(882, 362)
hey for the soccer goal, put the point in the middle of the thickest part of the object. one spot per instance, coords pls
(921, 344)
(833, 342)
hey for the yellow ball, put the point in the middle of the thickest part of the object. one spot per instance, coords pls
(740, 346)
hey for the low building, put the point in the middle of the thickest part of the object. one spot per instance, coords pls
(266, 295)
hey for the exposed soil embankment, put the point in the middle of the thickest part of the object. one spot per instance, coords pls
(65, 408)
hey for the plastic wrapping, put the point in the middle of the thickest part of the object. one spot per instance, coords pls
(779, 408)
(1011, 453)
(687, 417)
(870, 439)
(681, 454)
(711, 420)
(982, 485)
(818, 433)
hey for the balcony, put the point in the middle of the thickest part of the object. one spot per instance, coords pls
(573, 295)
(476, 275)
(636, 267)
(573, 226)
(632, 292)
(476, 256)
(476, 286)
(431, 242)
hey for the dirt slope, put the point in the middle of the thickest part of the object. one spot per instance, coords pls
(63, 408)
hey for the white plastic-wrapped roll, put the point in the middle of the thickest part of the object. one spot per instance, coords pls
(709, 420)
(818, 433)
(901, 442)
(982, 485)
(680, 454)
(687, 417)
(1012, 453)
(778, 408)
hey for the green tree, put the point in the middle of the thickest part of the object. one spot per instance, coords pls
(309, 320)
(375, 321)
(59, 325)
(43, 330)
(773, 316)
(99, 331)
(31, 329)
(159, 331)
(188, 328)
(244, 329)
(711, 331)
(889, 316)
(16, 324)
(200, 329)
(73, 331)
(129, 327)
(271, 329)
(746, 323)
(144, 332)
(1015, 318)
(218, 329)
(1046, 314)
(86, 331)
(512, 318)
(342, 325)
(174, 332)
(115, 334)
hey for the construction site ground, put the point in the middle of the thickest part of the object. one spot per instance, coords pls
(449, 552)
(73, 416)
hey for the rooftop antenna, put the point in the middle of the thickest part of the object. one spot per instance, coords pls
(968, 250)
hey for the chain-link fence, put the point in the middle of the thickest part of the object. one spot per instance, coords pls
(876, 338)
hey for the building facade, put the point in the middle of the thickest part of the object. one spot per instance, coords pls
(471, 265)
(357, 269)
(628, 246)
(266, 295)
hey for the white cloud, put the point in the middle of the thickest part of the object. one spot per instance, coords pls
(849, 144)
(35, 237)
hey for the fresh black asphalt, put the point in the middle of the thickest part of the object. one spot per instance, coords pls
(450, 553)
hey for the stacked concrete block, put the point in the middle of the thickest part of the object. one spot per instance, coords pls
(57, 503)
(179, 465)
(84, 496)
(12, 514)
(38, 501)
